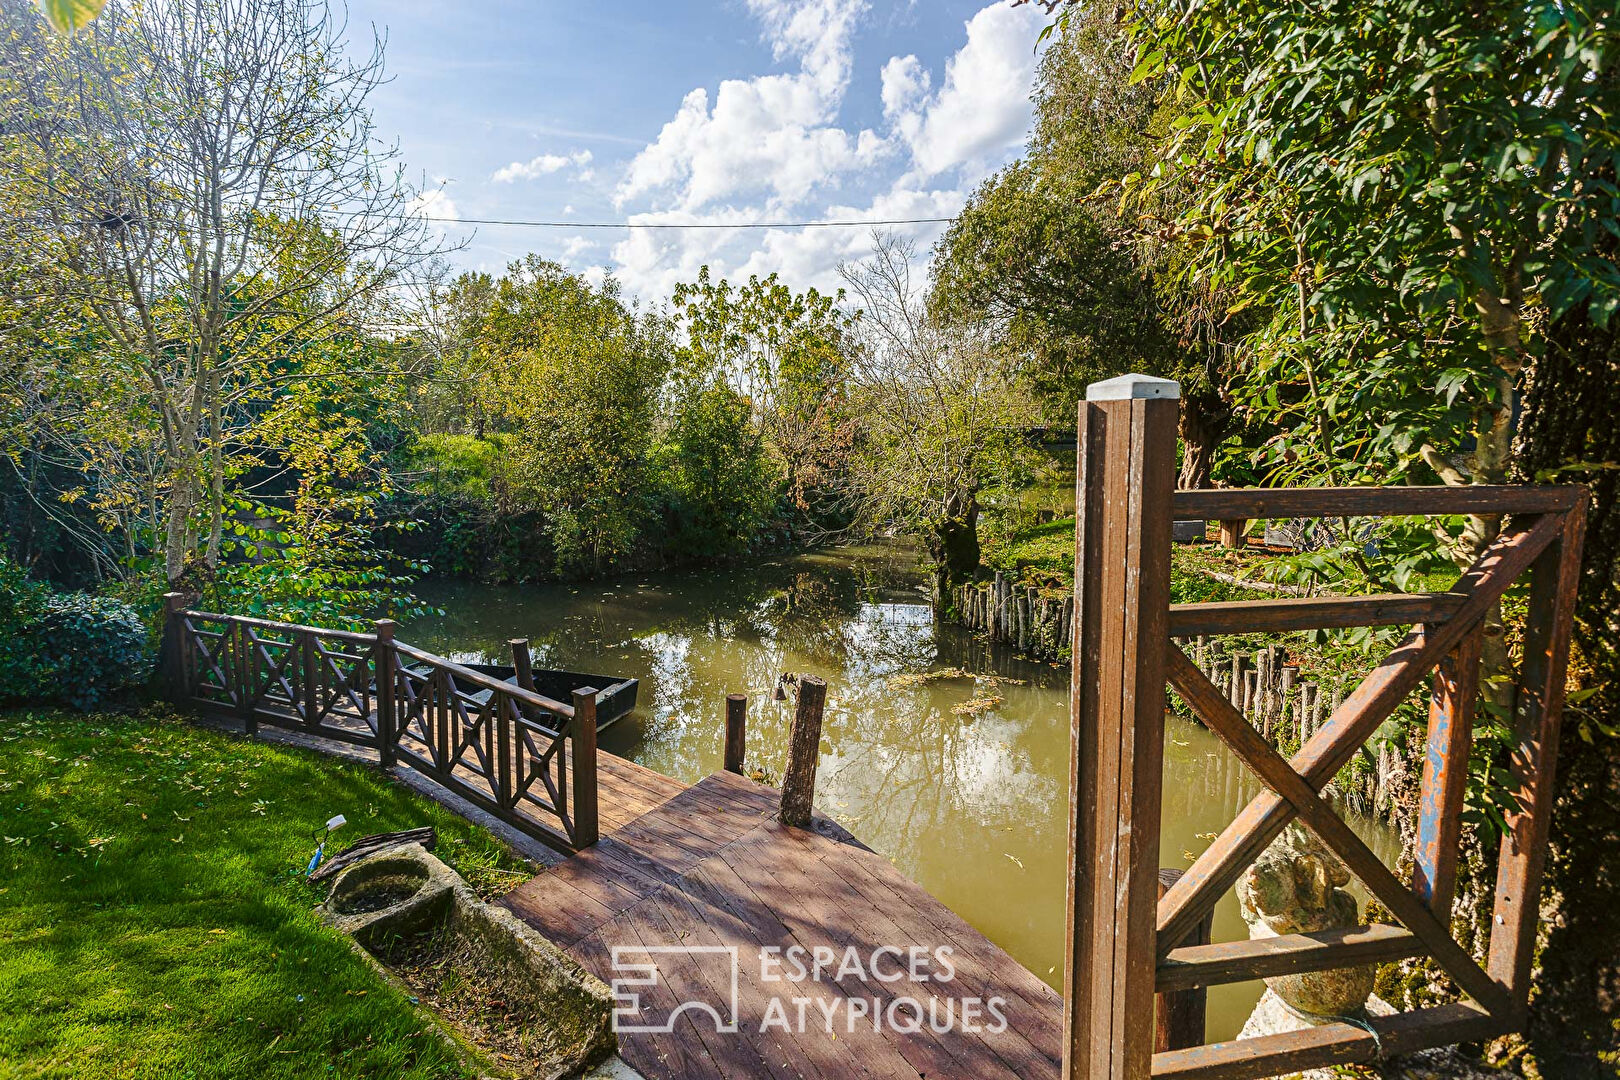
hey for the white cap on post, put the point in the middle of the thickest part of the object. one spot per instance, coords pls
(1126, 387)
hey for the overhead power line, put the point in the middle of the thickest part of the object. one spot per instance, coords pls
(685, 225)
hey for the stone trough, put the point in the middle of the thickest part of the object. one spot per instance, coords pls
(519, 1006)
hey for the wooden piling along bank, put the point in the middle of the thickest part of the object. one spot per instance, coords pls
(1017, 615)
(1126, 943)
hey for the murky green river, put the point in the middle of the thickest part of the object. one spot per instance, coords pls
(962, 783)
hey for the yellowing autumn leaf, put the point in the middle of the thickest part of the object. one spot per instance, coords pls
(66, 16)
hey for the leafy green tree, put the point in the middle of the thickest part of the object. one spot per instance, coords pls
(575, 376)
(1406, 186)
(786, 353)
(723, 487)
(204, 183)
(1079, 289)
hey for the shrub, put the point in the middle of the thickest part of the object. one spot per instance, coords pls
(453, 465)
(22, 606)
(91, 648)
(721, 485)
(73, 648)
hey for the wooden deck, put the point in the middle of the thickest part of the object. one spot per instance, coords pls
(710, 867)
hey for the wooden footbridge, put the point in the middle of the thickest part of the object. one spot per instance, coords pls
(735, 896)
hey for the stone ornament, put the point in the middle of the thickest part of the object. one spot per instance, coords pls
(1296, 887)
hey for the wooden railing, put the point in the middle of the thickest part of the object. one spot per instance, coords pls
(523, 757)
(1125, 943)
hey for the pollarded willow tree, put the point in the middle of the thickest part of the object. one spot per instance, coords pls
(201, 188)
(943, 415)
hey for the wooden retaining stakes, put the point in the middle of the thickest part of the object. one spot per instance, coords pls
(1016, 615)
(736, 732)
(804, 750)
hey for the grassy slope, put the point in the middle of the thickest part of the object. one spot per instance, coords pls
(154, 921)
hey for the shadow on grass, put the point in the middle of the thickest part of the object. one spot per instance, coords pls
(154, 920)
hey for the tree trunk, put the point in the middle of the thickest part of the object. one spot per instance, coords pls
(1204, 419)
(1570, 408)
(953, 543)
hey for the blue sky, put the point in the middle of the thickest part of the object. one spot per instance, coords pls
(736, 110)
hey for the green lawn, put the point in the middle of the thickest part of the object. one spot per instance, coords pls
(154, 920)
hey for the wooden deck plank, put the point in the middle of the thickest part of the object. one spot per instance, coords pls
(826, 911)
(711, 866)
(1031, 1045)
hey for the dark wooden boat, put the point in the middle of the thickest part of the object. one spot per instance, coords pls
(618, 695)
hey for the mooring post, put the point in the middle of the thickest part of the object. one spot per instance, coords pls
(384, 662)
(584, 739)
(172, 649)
(1125, 475)
(736, 732)
(804, 748)
(1179, 1015)
(523, 668)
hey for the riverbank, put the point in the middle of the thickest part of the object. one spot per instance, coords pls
(1285, 687)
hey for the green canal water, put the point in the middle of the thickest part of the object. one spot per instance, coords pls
(962, 783)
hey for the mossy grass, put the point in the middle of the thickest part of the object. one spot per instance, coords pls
(154, 916)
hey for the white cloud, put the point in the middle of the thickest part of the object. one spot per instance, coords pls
(771, 135)
(434, 204)
(773, 147)
(982, 108)
(577, 245)
(543, 165)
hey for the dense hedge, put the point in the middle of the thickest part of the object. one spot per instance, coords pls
(70, 647)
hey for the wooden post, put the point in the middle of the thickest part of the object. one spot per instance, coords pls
(736, 732)
(522, 663)
(523, 668)
(174, 646)
(1180, 1015)
(1445, 775)
(384, 663)
(1232, 533)
(244, 677)
(311, 683)
(1124, 479)
(583, 733)
(804, 752)
(1555, 577)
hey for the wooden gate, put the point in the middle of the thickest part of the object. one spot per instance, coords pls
(1121, 938)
